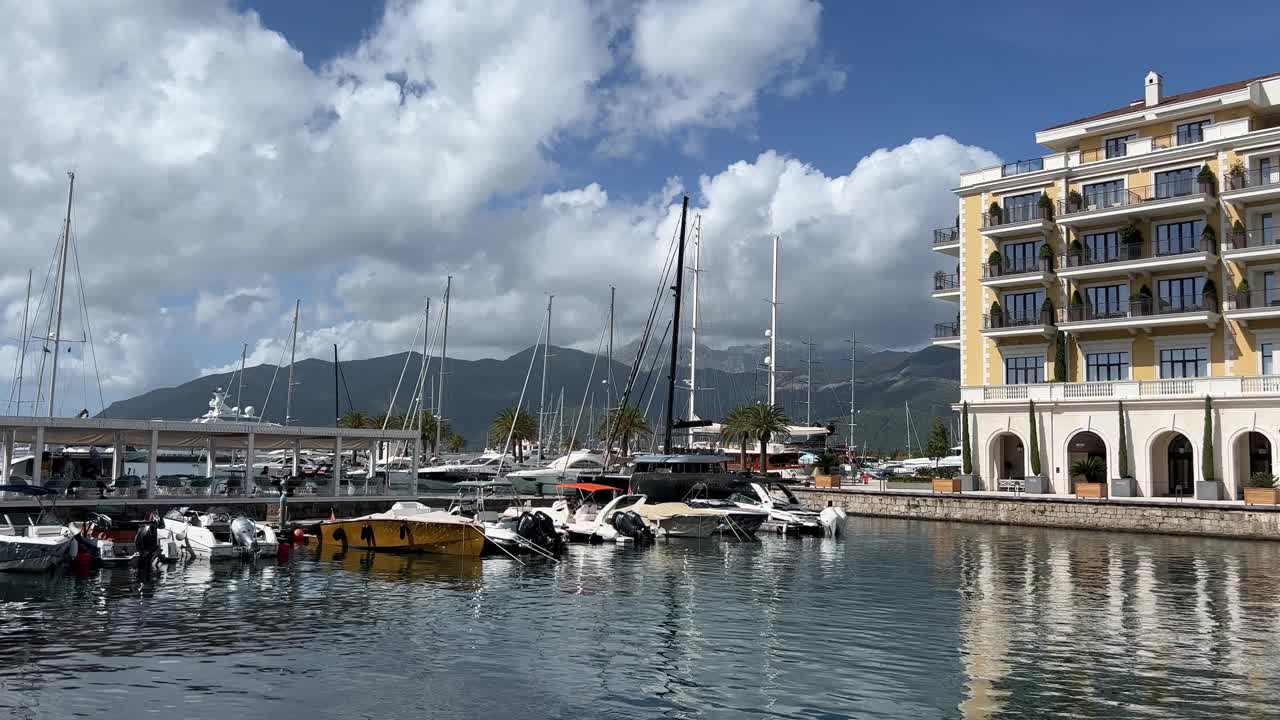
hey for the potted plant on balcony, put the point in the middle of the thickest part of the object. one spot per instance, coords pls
(1046, 258)
(1235, 175)
(1125, 485)
(997, 314)
(968, 479)
(1209, 239)
(1075, 253)
(1046, 207)
(1261, 490)
(1210, 295)
(995, 214)
(1142, 306)
(1046, 312)
(1094, 471)
(995, 264)
(1035, 483)
(1242, 293)
(1075, 201)
(1239, 238)
(1131, 234)
(1207, 179)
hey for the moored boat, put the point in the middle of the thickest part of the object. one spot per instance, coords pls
(407, 527)
(703, 518)
(219, 534)
(35, 546)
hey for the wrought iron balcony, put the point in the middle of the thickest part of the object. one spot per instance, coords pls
(1128, 252)
(1009, 267)
(1261, 177)
(946, 236)
(1254, 300)
(946, 330)
(1015, 215)
(1138, 307)
(943, 282)
(1022, 167)
(1135, 197)
(1257, 238)
(1007, 320)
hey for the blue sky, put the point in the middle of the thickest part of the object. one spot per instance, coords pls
(989, 74)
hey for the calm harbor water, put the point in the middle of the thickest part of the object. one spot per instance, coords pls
(900, 620)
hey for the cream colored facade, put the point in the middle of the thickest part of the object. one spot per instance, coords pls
(1148, 242)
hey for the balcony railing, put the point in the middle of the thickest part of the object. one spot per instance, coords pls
(946, 330)
(943, 281)
(1261, 177)
(1261, 237)
(1172, 140)
(1119, 198)
(1138, 308)
(1254, 300)
(1022, 166)
(1016, 266)
(1187, 388)
(1008, 320)
(1012, 215)
(1123, 252)
(946, 236)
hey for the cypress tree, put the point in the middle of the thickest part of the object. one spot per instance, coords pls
(1124, 445)
(1035, 442)
(1060, 357)
(1207, 465)
(966, 455)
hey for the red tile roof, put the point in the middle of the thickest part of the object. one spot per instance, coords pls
(1169, 100)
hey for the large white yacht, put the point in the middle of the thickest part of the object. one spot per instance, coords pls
(565, 469)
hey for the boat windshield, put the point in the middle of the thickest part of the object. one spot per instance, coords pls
(781, 493)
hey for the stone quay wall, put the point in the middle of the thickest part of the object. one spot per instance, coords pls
(1185, 518)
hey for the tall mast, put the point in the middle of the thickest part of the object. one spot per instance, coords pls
(22, 346)
(693, 335)
(853, 383)
(337, 408)
(444, 346)
(675, 330)
(542, 402)
(244, 352)
(293, 352)
(808, 392)
(613, 291)
(773, 330)
(422, 377)
(61, 291)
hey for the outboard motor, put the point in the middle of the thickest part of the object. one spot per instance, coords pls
(146, 543)
(538, 528)
(629, 524)
(833, 520)
(244, 533)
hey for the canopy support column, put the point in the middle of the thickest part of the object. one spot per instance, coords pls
(335, 482)
(117, 456)
(209, 448)
(250, 482)
(154, 451)
(37, 456)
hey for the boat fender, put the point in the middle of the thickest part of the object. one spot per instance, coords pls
(405, 532)
(340, 535)
(366, 535)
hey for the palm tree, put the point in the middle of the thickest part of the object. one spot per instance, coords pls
(626, 423)
(734, 431)
(454, 442)
(515, 424)
(354, 419)
(1093, 468)
(428, 422)
(765, 422)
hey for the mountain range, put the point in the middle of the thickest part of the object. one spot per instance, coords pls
(888, 381)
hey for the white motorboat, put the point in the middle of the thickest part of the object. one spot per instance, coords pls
(786, 516)
(445, 477)
(703, 518)
(566, 468)
(219, 534)
(618, 521)
(520, 527)
(33, 546)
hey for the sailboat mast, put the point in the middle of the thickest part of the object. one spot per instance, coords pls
(542, 402)
(675, 330)
(337, 408)
(293, 352)
(22, 346)
(244, 352)
(808, 390)
(773, 330)
(422, 376)
(61, 291)
(444, 346)
(693, 334)
(853, 383)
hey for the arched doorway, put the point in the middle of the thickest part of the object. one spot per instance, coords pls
(1083, 445)
(1252, 455)
(1008, 457)
(1173, 469)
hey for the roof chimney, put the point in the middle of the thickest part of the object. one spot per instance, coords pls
(1154, 88)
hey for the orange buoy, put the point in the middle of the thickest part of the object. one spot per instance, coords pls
(299, 537)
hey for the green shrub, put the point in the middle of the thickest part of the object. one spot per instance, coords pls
(1206, 176)
(1130, 234)
(1046, 206)
(1262, 480)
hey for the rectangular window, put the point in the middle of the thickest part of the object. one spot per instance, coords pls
(1181, 294)
(1267, 172)
(1192, 132)
(1184, 363)
(1268, 353)
(1020, 257)
(1020, 208)
(1023, 370)
(1118, 147)
(1267, 229)
(1107, 366)
(1179, 238)
(1103, 195)
(1023, 308)
(1108, 301)
(1176, 183)
(1102, 247)
(1270, 289)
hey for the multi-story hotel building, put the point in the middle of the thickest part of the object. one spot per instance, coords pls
(1147, 246)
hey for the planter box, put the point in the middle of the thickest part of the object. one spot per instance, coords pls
(1035, 485)
(947, 485)
(1208, 490)
(969, 483)
(1124, 487)
(826, 481)
(1098, 491)
(1261, 496)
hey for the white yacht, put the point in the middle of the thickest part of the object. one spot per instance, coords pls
(786, 516)
(220, 411)
(565, 469)
(617, 521)
(219, 534)
(444, 477)
(33, 546)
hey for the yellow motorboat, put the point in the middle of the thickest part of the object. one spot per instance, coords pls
(406, 527)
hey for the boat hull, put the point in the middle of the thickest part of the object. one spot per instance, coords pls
(19, 554)
(676, 487)
(403, 535)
